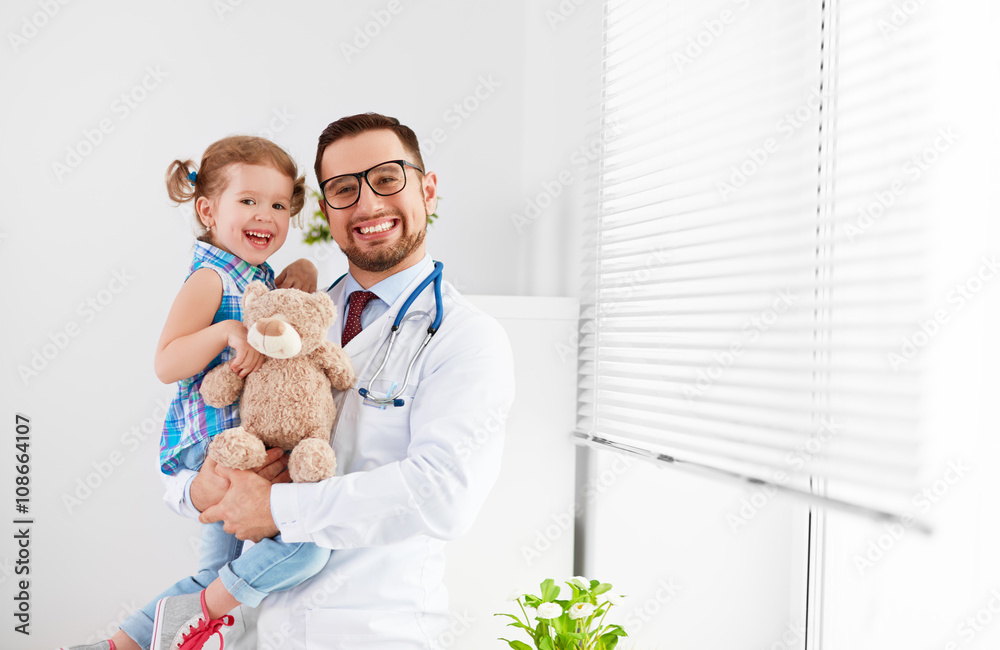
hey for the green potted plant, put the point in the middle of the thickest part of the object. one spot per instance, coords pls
(575, 623)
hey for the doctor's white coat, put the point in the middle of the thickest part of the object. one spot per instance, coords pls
(408, 479)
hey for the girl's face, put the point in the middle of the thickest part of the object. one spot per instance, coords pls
(250, 217)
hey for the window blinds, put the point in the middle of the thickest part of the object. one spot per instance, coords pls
(753, 262)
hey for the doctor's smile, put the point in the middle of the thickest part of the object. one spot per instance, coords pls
(374, 229)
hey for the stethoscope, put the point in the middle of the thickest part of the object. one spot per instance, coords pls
(393, 397)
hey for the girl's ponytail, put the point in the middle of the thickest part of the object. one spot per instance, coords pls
(181, 179)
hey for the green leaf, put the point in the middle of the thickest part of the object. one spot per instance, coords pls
(549, 590)
(315, 229)
(601, 588)
(607, 642)
(518, 645)
(545, 643)
(515, 622)
(522, 626)
(614, 630)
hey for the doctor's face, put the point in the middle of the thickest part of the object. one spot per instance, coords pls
(380, 235)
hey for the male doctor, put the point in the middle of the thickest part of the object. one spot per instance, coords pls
(409, 477)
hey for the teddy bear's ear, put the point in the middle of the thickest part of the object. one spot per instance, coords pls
(325, 305)
(254, 290)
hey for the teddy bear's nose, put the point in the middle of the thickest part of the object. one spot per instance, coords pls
(271, 326)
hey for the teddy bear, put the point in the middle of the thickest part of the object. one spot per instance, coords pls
(288, 401)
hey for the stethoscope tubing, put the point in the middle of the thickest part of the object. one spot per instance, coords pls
(393, 396)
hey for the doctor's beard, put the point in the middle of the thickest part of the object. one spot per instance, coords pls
(386, 257)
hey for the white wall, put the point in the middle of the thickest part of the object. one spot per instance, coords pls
(524, 532)
(103, 230)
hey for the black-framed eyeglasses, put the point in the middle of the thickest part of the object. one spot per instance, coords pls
(385, 179)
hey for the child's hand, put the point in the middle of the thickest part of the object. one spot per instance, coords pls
(245, 358)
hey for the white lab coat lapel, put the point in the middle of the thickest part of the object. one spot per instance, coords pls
(366, 350)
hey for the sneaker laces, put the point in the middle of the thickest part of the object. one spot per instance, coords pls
(196, 637)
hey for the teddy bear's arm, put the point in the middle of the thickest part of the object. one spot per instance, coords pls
(221, 386)
(336, 364)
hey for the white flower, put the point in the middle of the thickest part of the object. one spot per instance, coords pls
(549, 610)
(517, 594)
(580, 582)
(615, 599)
(581, 610)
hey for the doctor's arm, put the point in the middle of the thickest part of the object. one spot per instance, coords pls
(189, 493)
(457, 420)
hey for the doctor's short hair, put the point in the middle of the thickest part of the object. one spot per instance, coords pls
(353, 125)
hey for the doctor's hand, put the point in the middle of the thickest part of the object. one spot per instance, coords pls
(208, 487)
(300, 274)
(245, 510)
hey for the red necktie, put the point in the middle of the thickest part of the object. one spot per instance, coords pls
(352, 326)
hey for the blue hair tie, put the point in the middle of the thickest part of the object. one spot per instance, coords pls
(193, 176)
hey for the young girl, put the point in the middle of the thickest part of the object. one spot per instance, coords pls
(245, 192)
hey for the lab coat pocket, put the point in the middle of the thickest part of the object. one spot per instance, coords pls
(381, 433)
(349, 629)
(384, 388)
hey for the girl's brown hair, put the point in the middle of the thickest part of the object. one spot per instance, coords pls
(211, 177)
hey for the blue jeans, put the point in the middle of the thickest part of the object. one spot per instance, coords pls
(268, 566)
